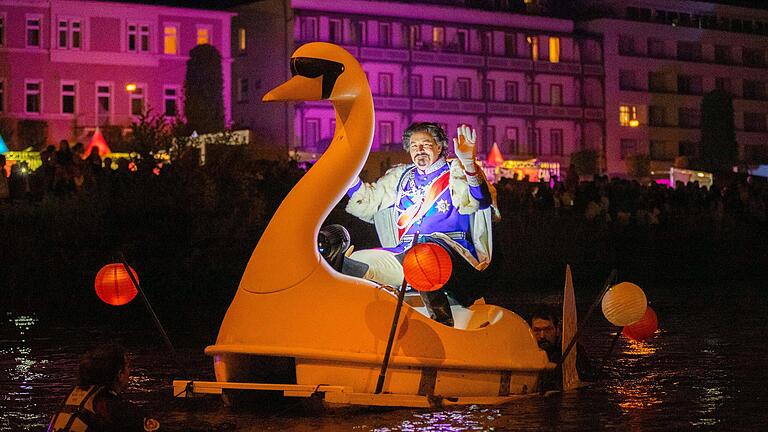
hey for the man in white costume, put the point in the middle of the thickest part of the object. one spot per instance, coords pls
(448, 203)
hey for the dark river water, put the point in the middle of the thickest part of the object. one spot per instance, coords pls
(706, 369)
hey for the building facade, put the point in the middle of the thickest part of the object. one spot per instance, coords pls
(533, 85)
(78, 64)
(661, 57)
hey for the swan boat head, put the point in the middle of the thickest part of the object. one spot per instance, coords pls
(287, 253)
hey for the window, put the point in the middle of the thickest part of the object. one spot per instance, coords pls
(137, 100)
(510, 91)
(104, 103)
(554, 49)
(534, 93)
(556, 142)
(2, 96)
(334, 31)
(171, 39)
(489, 90)
(510, 44)
(628, 147)
(462, 41)
(33, 96)
(170, 101)
(627, 113)
(415, 88)
(385, 35)
(690, 84)
(415, 36)
(688, 118)
(70, 34)
(68, 97)
(657, 115)
(656, 48)
(463, 89)
(688, 51)
(138, 37)
(385, 84)
(241, 40)
(723, 84)
(555, 94)
(438, 36)
(309, 29)
(2, 30)
(489, 140)
(755, 122)
(628, 80)
(241, 91)
(438, 87)
(534, 141)
(311, 134)
(386, 135)
(689, 148)
(754, 57)
(663, 150)
(360, 35)
(626, 45)
(657, 82)
(203, 35)
(722, 54)
(533, 41)
(754, 89)
(510, 141)
(34, 31)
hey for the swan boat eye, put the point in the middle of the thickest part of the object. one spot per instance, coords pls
(313, 67)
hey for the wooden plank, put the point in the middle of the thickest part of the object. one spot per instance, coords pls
(195, 388)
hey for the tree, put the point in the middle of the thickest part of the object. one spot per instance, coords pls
(719, 150)
(585, 161)
(203, 88)
(32, 133)
(639, 166)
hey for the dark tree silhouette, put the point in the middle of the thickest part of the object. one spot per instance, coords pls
(719, 150)
(203, 87)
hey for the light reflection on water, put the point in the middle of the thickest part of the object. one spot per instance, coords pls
(702, 370)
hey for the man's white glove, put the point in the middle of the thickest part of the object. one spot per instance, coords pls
(464, 147)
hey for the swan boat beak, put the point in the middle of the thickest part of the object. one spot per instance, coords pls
(313, 79)
(298, 88)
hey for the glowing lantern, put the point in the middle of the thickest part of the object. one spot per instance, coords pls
(643, 329)
(130, 87)
(3, 147)
(99, 143)
(494, 156)
(427, 267)
(624, 304)
(634, 123)
(114, 286)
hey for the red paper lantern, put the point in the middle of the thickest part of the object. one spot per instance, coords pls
(114, 286)
(643, 329)
(427, 267)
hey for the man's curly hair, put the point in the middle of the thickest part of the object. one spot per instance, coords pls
(438, 134)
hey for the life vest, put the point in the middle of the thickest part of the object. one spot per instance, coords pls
(77, 413)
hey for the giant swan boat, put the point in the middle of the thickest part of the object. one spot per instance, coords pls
(299, 327)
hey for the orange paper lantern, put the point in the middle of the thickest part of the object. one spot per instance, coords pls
(427, 267)
(624, 304)
(643, 329)
(114, 286)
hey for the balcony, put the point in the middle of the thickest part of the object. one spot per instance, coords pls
(448, 106)
(394, 103)
(558, 111)
(557, 68)
(592, 69)
(447, 58)
(594, 113)
(384, 54)
(505, 109)
(507, 63)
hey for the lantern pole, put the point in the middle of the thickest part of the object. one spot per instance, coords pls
(608, 354)
(159, 326)
(606, 286)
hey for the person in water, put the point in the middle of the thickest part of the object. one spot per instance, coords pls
(448, 203)
(95, 403)
(546, 328)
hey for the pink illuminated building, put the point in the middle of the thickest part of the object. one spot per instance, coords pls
(76, 64)
(532, 84)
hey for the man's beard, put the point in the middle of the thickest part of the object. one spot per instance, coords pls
(422, 160)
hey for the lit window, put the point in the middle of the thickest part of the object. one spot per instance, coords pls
(533, 41)
(438, 36)
(32, 96)
(137, 101)
(68, 97)
(70, 34)
(203, 35)
(170, 40)
(104, 103)
(170, 101)
(554, 49)
(241, 44)
(627, 115)
(34, 36)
